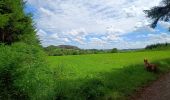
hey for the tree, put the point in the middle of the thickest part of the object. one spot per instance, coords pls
(114, 50)
(15, 25)
(159, 13)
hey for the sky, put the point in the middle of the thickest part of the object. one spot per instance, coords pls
(96, 24)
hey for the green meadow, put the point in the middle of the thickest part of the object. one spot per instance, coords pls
(104, 76)
(29, 71)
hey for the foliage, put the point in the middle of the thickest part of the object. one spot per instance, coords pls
(15, 25)
(158, 46)
(67, 47)
(24, 73)
(114, 50)
(159, 13)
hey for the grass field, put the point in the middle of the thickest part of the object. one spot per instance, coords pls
(104, 76)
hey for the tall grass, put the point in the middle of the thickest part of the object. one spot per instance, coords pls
(118, 84)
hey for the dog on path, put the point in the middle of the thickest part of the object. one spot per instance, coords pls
(150, 67)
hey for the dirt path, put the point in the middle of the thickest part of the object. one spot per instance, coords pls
(159, 90)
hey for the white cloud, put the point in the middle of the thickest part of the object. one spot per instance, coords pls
(75, 32)
(41, 33)
(97, 41)
(147, 40)
(165, 24)
(89, 21)
(159, 38)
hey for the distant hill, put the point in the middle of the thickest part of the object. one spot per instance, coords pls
(68, 47)
(62, 47)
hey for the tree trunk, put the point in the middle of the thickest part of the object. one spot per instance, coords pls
(3, 37)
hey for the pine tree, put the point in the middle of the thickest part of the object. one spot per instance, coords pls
(159, 13)
(15, 25)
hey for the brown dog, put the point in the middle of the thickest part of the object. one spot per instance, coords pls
(150, 67)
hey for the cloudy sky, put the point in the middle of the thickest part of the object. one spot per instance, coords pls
(100, 24)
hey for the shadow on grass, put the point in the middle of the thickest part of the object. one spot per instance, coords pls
(117, 84)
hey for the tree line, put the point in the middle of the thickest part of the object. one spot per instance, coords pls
(62, 50)
(158, 46)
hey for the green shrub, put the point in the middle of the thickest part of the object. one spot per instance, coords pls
(94, 88)
(114, 50)
(24, 73)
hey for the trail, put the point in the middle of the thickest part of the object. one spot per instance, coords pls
(158, 90)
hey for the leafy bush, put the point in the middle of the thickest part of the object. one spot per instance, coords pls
(24, 73)
(114, 50)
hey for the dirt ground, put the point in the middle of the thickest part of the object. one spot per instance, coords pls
(158, 90)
